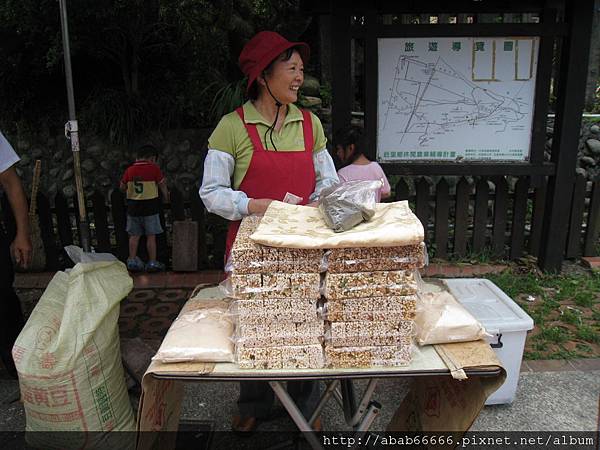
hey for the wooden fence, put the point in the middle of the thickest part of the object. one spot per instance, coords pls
(497, 217)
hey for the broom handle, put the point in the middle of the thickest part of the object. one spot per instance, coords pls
(34, 186)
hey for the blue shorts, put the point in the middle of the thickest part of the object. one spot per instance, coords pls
(143, 225)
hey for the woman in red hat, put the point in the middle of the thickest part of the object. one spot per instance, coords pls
(259, 153)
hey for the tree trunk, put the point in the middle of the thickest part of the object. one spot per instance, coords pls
(325, 48)
(135, 65)
(125, 72)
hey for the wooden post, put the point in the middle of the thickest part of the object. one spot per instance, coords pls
(63, 220)
(101, 222)
(442, 194)
(500, 208)
(199, 216)
(341, 83)
(542, 95)
(119, 215)
(185, 246)
(577, 209)
(567, 126)
(480, 220)
(517, 235)
(371, 89)
(593, 222)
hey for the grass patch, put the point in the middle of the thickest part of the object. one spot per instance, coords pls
(564, 354)
(555, 334)
(585, 348)
(533, 355)
(514, 285)
(572, 317)
(486, 256)
(565, 309)
(587, 333)
(584, 299)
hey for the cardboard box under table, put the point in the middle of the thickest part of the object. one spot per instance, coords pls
(459, 376)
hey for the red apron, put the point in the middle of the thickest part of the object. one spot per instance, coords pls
(272, 174)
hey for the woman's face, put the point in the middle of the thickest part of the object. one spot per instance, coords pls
(285, 78)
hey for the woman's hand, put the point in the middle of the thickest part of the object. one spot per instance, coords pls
(258, 205)
(313, 204)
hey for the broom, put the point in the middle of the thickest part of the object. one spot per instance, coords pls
(38, 256)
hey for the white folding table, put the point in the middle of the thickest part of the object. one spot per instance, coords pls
(359, 416)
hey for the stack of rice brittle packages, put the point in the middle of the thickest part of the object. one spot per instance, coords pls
(370, 305)
(352, 306)
(276, 292)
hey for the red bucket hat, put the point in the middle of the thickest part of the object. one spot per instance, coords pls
(263, 48)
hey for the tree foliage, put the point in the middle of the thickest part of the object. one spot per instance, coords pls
(137, 64)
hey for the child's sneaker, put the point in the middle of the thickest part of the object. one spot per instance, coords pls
(155, 266)
(135, 264)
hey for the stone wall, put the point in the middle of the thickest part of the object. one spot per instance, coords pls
(588, 152)
(102, 164)
(182, 151)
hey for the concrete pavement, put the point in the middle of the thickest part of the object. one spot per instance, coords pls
(547, 400)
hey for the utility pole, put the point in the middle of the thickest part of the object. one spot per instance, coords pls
(72, 130)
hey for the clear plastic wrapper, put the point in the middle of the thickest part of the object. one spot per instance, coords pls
(370, 308)
(247, 257)
(421, 285)
(432, 285)
(271, 286)
(270, 334)
(284, 357)
(372, 356)
(370, 259)
(370, 284)
(281, 309)
(345, 205)
(442, 319)
(371, 333)
(202, 333)
(263, 259)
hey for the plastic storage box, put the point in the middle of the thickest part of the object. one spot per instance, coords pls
(503, 319)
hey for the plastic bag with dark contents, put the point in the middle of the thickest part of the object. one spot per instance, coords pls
(345, 205)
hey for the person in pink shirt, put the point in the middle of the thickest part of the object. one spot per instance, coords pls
(349, 144)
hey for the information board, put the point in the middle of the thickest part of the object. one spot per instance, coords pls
(456, 99)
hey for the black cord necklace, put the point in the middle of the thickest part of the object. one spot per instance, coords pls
(272, 127)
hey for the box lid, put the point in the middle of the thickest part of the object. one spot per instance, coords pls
(493, 308)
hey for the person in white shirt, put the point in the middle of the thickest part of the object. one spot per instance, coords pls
(11, 316)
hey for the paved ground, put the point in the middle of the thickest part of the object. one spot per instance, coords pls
(552, 395)
(545, 401)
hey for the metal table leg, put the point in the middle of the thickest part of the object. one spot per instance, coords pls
(329, 391)
(337, 395)
(296, 415)
(360, 418)
(371, 414)
(349, 400)
(364, 403)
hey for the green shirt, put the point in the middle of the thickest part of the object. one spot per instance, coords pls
(230, 136)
